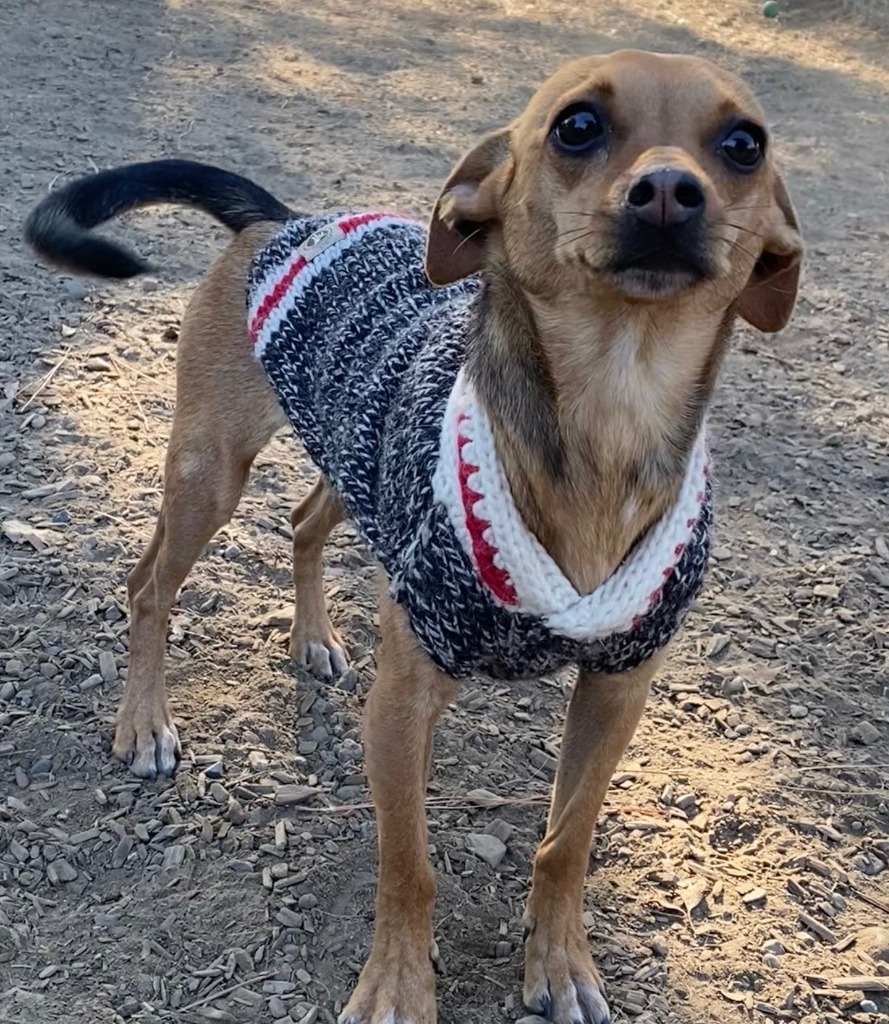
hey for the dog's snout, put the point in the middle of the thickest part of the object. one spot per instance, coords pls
(666, 198)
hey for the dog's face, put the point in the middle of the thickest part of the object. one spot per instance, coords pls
(637, 177)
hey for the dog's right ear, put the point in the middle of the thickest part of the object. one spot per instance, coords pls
(467, 207)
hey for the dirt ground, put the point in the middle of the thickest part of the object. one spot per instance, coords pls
(741, 866)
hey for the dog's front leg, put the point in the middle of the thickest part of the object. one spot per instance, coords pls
(561, 980)
(397, 985)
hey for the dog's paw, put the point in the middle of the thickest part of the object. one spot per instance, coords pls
(146, 739)
(318, 650)
(561, 980)
(397, 986)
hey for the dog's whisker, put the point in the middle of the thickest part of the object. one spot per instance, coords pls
(741, 206)
(738, 246)
(740, 227)
(468, 238)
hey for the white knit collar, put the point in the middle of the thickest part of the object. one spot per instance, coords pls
(514, 566)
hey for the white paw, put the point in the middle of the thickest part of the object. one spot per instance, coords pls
(325, 659)
(148, 743)
(571, 1002)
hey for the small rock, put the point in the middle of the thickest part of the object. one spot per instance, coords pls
(128, 1007)
(732, 687)
(869, 1006)
(490, 849)
(308, 1017)
(308, 901)
(278, 988)
(122, 851)
(107, 666)
(798, 711)
(774, 947)
(658, 947)
(502, 949)
(42, 766)
(278, 618)
(96, 364)
(288, 918)
(74, 289)
(875, 942)
(18, 851)
(348, 681)
(173, 856)
(865, 733)
(218, 794)
(60, 871)
(293, 794)
(236, 814)
(501, 829)
(210, 1013)
(771, 961)
(277, 1007)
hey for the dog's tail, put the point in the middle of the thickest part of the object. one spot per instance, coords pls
(58, 227)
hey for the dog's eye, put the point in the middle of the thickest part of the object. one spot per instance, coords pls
(744, 146)
(578, 129)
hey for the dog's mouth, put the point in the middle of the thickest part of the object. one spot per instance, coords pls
(649, 262)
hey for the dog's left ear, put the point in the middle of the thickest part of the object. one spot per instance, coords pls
(467, 208)
(770, 295)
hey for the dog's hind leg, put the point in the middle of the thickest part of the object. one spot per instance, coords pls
(202, 488)
(314, 643)
(226, 412)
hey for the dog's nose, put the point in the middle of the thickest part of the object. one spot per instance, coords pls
(666, 198)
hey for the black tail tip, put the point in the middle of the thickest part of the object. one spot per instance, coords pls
(56, 237)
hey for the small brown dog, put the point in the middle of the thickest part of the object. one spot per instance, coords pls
(619, 226)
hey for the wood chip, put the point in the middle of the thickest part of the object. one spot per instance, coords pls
(287, 795)
(862, 983)
(819, 929)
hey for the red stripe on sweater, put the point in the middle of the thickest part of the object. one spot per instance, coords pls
(271, 300)
(268, 305)
(494, 578)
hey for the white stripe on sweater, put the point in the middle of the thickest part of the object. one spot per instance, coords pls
(541, 587)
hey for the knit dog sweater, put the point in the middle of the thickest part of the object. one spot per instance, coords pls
(367, 360)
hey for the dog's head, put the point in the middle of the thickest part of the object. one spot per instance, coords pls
(638, 177)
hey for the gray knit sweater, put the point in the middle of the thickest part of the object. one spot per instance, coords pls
(367, 361)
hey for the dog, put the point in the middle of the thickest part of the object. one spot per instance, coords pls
(519, 438)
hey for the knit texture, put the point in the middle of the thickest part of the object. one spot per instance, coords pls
(367, 361)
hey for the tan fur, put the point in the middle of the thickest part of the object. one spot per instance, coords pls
(593, 440)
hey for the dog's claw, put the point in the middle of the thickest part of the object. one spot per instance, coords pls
(324, 658)
(326, 661)
(562, 984)
(150, 750)
(585, 1005)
